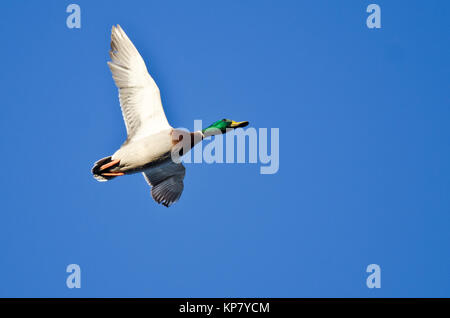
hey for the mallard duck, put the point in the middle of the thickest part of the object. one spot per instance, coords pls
(150, 139)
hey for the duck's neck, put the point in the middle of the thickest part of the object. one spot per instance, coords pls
(196, 137)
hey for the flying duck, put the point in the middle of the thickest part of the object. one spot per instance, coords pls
(151, 142)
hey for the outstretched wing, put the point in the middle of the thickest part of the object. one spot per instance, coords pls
(166, 180)
(139, 96)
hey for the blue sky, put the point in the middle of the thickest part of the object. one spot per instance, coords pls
(364, 150)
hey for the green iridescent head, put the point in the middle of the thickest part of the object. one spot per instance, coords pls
(221, 126)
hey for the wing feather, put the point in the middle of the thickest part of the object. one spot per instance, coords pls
(139, 95)
(166, 180)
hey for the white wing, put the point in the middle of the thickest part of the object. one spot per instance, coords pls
(139, 96)
(166, 180)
